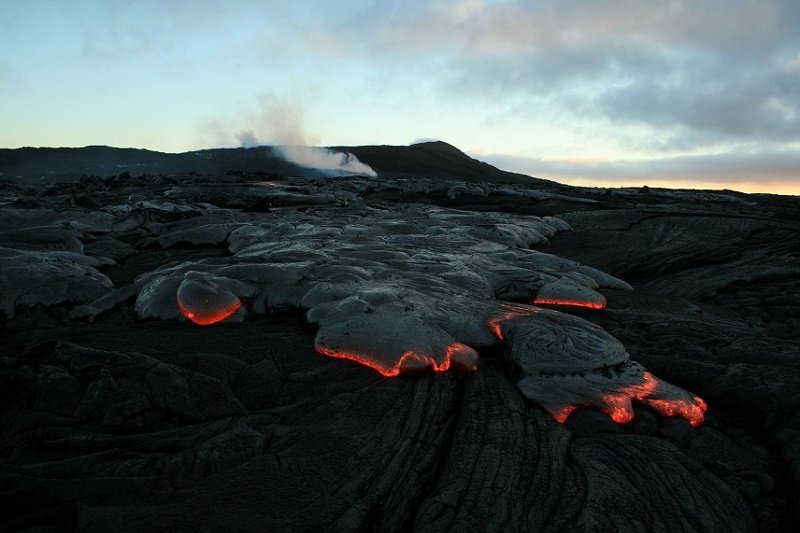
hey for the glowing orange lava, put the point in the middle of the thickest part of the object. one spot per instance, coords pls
(572, 303)
(562, 414)
(210, 316)
(618, 404)
(458, 356)
(496, 324)
(694, 412)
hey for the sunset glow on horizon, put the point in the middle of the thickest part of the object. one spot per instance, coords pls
(588, 92)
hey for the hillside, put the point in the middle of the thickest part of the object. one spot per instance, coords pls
(432, 159)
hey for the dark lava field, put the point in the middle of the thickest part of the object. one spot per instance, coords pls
(225, 341)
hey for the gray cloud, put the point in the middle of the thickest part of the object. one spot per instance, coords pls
(748, 101)
(719, 72)
(500, 28)
(715, 72)
(668, 77)
(727, 169)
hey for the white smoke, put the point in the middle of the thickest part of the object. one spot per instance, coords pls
(279, 122)
(420, 140)
(276, 121)
(247, 139)
(325, 160)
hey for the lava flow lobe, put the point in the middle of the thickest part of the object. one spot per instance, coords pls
(203, 301)
(458, 357)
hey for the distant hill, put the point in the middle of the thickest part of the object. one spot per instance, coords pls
(430, 159)
(67, 164)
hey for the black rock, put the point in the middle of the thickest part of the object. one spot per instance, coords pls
(113, 422)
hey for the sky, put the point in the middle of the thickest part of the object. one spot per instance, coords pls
(668, 93)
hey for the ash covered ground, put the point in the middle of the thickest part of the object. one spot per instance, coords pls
(459, 349)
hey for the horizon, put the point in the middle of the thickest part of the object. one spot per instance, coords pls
(621, 183)
(600, 94)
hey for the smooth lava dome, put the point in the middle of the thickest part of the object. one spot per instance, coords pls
(203, 302)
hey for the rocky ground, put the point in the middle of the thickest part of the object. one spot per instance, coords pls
(118, 413)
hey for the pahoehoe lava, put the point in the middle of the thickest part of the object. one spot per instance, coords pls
(172, 353)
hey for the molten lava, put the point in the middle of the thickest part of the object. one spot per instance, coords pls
(571, 303)
(563, 413)
(618, 404)
(211, 315)
(694, 412)
(460, 357)
(205, 299)
(513, 311)
(662, 397)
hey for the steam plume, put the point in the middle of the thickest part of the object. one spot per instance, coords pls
(247, 139)
(328, 161)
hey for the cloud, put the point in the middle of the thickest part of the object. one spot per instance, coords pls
(620, 78)
(718, 71)
(714, 97)
(473, 28)
(741, 170)
(328, 161)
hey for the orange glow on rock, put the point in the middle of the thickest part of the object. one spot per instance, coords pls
(562, 414)
(694, 412)
(204, 299)
(618, 404)
(361, 359)
(460, 357)
(209, 316)
(496, 326)
(618, 407)
(513, 311)
(520, 310)
(571, 303)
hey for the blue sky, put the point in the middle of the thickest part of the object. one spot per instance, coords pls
(698, 93)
